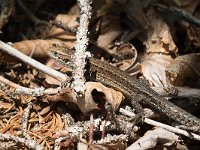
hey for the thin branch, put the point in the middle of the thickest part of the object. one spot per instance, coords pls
(29, 14)
(186, 15)
(167, 127)
(20, 90)
(61, 25)
(181, 92)
(25, 120)
(47, 70)
(30, 143)
(9, 83)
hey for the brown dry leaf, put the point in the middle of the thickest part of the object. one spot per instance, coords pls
(4, 58)
(157, 33)
(190, 6)
(159, 36)
(58, 33)
(65, 94)
(87, 103)
(55, 65)
(38, 48)
(184, 70)
(153, 67)
(110, 28)
(127, 53)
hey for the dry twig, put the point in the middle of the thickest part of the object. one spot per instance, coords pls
(81, 46)
(14, 52)
(30, 143)
(167, 127)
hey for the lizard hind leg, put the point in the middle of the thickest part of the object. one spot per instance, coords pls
(139, 117)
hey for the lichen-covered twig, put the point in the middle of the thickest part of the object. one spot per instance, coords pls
(80, 54)
(30, 143)
(25, 120)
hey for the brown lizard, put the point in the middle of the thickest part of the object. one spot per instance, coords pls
(135, 90)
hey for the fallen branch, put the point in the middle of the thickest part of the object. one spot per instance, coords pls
(184, 92)
(186, 15)
(167, 127)
(30, 143)
(47, 70)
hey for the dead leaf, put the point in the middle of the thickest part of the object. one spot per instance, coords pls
(184, 70)
(112, 96)
(87, 103)
(153, 67)
(153, 138)
(55, 65)
(159, 36)
(39, 46)
(110, 28)
(127, 54)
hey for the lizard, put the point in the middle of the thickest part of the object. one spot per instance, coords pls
(139, 92)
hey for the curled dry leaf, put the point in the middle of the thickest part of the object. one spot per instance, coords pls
(184, 70)
(127, 53)
(87, 103)
(65, 94)
(158, 33)
(153, 67)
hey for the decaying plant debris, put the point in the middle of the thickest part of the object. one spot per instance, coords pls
(156, 41)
